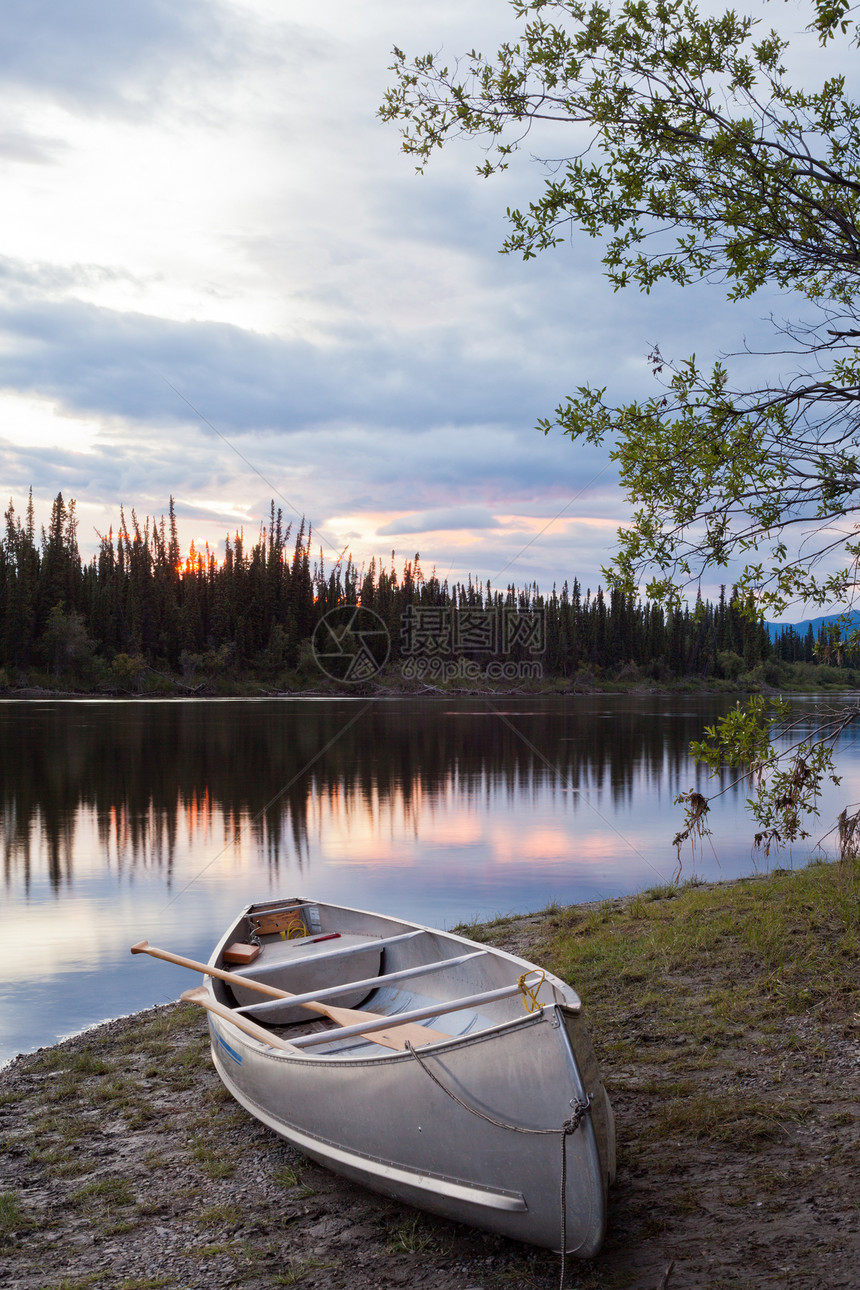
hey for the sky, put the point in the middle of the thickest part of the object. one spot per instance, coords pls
(221, 280)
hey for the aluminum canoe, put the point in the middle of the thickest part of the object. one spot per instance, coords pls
(480, 1124)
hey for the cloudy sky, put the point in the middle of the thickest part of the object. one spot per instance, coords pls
(220, 279)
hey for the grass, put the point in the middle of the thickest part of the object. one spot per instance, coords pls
(87, 1063)
(215, 1162)
(13, 1216)
(60, 1123)
(61, 1162)
(83, 1087)
(730, 1118)
(146, 1283)
(76, 1283)
(775, 944)
(156, 1031)
(411, 1236)
(226, 1214)
(119, 1227)
(298, 1270)
(216, 1249)
(111, 1191)
(82, 1082)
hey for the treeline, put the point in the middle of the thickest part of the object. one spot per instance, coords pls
(139, 610)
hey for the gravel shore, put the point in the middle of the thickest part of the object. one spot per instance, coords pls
(127, 1166)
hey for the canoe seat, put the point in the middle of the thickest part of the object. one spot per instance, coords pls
(304, 966)
(294, 953)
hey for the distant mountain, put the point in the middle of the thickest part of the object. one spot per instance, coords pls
(776, 629)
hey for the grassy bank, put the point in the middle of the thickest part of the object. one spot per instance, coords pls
(686, 980)
(725, 1019)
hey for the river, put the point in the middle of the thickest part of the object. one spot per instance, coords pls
(158, 820)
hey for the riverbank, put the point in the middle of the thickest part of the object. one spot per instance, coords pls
(446, 680)
(388, 688)
(726, 1019)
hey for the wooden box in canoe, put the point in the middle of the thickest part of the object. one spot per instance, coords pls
(443, 1072)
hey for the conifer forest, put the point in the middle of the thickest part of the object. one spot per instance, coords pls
(139, 617)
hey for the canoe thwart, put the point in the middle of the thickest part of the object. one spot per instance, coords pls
(406, 1019)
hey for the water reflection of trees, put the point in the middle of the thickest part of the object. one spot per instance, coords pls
(147, 771)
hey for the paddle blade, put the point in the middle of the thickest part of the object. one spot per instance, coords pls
(391, 1036)
(202, 997)
(199, 994)
(398, 1037)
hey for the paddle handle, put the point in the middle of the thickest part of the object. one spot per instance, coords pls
(233, 978)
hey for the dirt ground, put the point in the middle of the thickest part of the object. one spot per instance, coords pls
(125, 1165)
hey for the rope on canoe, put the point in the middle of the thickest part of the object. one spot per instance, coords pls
(570, 1125)
(530, 992)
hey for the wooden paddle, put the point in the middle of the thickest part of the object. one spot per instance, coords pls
(408, 1032)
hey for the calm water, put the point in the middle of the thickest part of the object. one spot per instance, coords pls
(159, 820)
